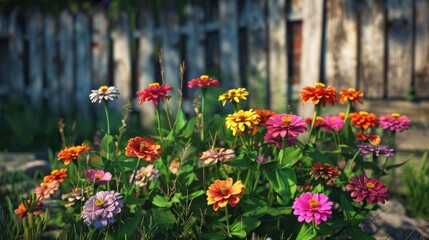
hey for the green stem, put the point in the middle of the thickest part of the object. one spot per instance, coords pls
(247, 177)
(392, 139)
(167, 175)
(257, 177)
(106, 111)
(130, 191)
(203, 103)
(349, 106)
(313, 121)
(227, 220)
(158, 120)
(351, 162)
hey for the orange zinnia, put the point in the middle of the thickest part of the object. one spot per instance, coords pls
(319, 94)
(363, 119)
(222, 192)
(143, 147)
(56, 175)
(69, 154)
(365, 137)
(264, 115)
(350, 95)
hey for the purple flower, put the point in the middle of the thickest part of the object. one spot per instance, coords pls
(395, 122)
(285, 125)
(362, 187)
(99, 209)
(378, 150)
(291, 141)
(145, 175)
(310, 207)
(98, 176)
(333, 122)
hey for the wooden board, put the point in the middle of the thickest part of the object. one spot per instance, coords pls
(257, 74)
(341, 44)
(50, 66)
(311, 49)
(16, 53)
(66, 61)
(421, 49)
(99, 48)
(373, 49)
(277, 51)
(34, 31)
(399, 41)
(83, 67)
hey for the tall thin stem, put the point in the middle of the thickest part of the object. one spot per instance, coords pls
(158, 120)
(227, 220)
(316, 112)
(106, 111)
(203, 103)
(134, 177)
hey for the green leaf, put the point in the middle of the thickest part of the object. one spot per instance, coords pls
(195, 194)
(396, 165)
(357, 234)
(188, 129)
(215, 124)
(278, 211)
(160, 201)
(130, 225)
(307, 232)
(213, 236)
(180, 120)
(346, 134)
(283, 182)
(163, 218)
(253, 207)
(108, 144)
(291, 156)
(242, 226)
(240, 161)
(317, 155)
(186, 174)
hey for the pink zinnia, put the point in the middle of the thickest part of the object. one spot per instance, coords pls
(362, 187)
(98, 176)
(154, 93)
(395, 122)
(285, 124)
(203, 82)
(45, 190)
(333, 122)
(310, 207)
(290, 141)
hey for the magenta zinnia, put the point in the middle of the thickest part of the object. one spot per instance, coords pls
(333, 122)
(285, 125)
(154, 93)
(203, 82)
(395, 122)
(310, 207)
(369, 189)
(98, 176)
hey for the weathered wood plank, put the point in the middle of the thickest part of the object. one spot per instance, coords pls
(373, 49)
(399, 42)
(3, 25)
(146, 60)
(421, 49)
(311, 49)
(277, 51)
(50, 65)
(121, 58)
(341, 44)
(16, 53)
(66, 59)
(35, 54)
(295, 10)
(83, 68)
(100, 47)
(228, 35)
(257, 75)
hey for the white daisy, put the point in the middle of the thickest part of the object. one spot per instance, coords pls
(104, 93)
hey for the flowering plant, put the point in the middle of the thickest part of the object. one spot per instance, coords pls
(250, 173)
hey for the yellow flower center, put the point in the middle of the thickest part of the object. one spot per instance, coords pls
(98, 177)
(363, 113)
(224, 190)
(143, 146)
(396, 115)
(204, 77)
(370, 185)
(77, 189)
(319, 85)
(313, 204)
(286, 121)
(332, 119)
(99, 202)
(103, 88)
(154, 84)
(351, 90)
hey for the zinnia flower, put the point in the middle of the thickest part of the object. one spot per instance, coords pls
(325, 171)
(104, 93)
(142, 147)
(69, 154)
(238, 121)
(368, 137)
(350, 95)
(264, 116)
(369, 189)
(333, 122)
(318, 123)
(98, 176)
(76, 194)
(217, 155)
(233, 95)
(290, 141)
(285, 125)
(319, 93)
(222, 192)
(99, 209)
(46, 189)
(395, 122)
(21, 211)
(378, 150)
(174, 166)
(154, 93)
(56, 175)
(363, 119)
(145, 175)
(203, 82)
(311, 206)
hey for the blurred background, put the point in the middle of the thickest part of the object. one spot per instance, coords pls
(53, 53)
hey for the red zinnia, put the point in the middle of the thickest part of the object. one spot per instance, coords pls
(143, 147)
(319, 94)
(362, 187)
(363, 119)
(23, 212)
(203, 82)
(69, 154)
(154, 93)
(368, 137)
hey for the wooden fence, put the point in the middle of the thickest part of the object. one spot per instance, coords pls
(381, 47)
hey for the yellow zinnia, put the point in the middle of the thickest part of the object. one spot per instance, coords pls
(238, 121)
(233, 95)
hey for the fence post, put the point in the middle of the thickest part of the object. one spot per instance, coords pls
(50, 64)
(421, 49)
(16, 54)
(66, 59)
(99, 48)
